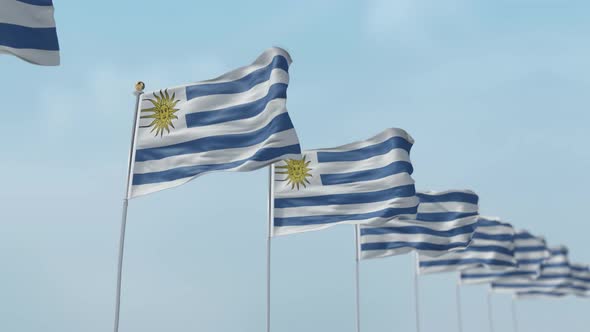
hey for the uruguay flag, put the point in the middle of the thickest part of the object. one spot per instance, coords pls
(492, 246)
(555, 275)
(529, 251)
(236, 122)
(27, 30)
(445, 222)
(367, 182)
(576, 282)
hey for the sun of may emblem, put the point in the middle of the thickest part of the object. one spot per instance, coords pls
(297, 172)
(162, 112)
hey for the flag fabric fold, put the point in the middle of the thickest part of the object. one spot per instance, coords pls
(445, 222)
(555, 275)
(27, 30)
(236, 122)
(575, 283)
(367, 182)
(529, 251)
(492, 246)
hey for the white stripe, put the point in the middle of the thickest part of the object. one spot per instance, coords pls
(19, 13)
(37, 57)
(284, 138)
(380, 138)
(140, 190)
(371, 254)
(286, 230)
(438, 226)
(447, 207)
(415, 238)
(390, 182)
(320, 210)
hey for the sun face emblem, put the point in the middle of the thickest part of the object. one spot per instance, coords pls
(296, 171)
(162, 112)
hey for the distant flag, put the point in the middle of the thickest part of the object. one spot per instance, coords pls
(555, 275)
(236, 122)
(529, 251)
(367, 182)
(577, 283)
(27, 30)
(492, 246)
(445, 222)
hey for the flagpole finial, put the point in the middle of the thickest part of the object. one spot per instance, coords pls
(139, 86)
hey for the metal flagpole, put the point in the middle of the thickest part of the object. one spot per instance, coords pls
(271, 189)
(416, 292)
(139, 86)
(459, 313)
(357, 277)
(514, 315)
(490, 315)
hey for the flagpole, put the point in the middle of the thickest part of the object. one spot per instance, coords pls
(514, 315)
(416, 291)
(139, 86)
(459, 313)
(357, 277)
(490, 316)
(271, 188)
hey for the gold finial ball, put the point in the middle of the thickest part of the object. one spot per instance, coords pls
(139, 86)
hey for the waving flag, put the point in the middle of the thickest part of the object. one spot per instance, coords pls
(367, 182)
(27, 30)
(529, 251)
(236, 122)
(445, 222)
(555, 274)
(576, 283)
(492, 246)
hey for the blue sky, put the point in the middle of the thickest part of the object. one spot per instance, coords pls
(494, 93)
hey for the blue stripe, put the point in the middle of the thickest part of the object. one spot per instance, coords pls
(20, 37)
(395, 167)
(240, 85)
(467, 275)
(266, 154)
(530, 261)
(352, 198)
(237, 112)
(395, 142)
(547, 293)
(330, 219)
(37, 2)
(496, 249)
(493, 237)
(444, 216)
(448, 197)
(489, 223)
(467, 261)
(523, 236)
(415, 245)
(579, 268)
(530, 285)
(558, 252)
(280, 123)
(416, 230)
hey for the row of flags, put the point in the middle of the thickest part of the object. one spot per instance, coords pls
(239, 122)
